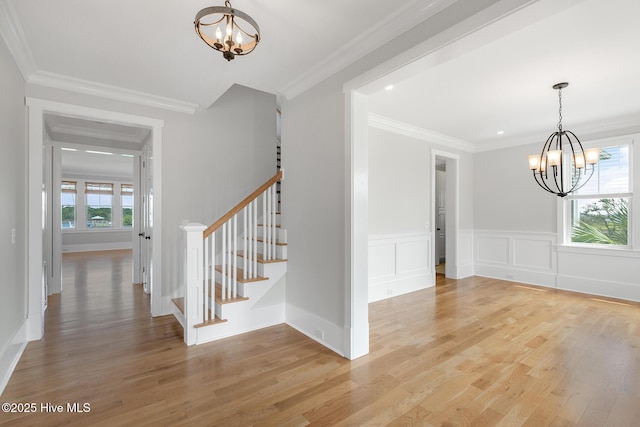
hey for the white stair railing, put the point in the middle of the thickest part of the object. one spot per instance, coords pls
(200, 254)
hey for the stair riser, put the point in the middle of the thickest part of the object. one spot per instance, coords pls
(281, 234)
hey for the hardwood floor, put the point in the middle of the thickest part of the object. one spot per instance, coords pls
(477, 351)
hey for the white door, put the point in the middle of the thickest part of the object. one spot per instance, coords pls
(147, 218)
(440, 247)
(137, 237)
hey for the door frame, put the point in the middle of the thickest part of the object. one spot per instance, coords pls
(451, 206)
(36, 108)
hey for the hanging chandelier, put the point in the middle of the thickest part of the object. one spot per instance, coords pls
(563, 166)
(241, 32)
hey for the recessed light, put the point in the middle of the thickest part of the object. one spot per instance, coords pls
(99, 152)
(389, 87)
(500, 132)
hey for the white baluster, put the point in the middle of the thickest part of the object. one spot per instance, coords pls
(265, 235)
(254, 226)
(244, 243)
(230, 258)
(251, 238)
(212, 263)
(223, 277)
(235, 256)
(205, 288)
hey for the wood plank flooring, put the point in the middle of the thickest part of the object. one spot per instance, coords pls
(473, 352)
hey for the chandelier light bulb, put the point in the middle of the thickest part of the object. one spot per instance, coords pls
(553, 157)
(218, 34)
(534, 162)
(593, 155)
(579, 161)
(239, 38)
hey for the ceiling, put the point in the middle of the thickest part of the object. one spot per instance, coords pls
(506, 83)
(95, 149)
(497, 79)
(144, 47)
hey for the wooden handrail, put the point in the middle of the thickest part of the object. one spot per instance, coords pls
(226, 217)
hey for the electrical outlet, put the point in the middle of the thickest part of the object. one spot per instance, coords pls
(320, 333)
(13, 236)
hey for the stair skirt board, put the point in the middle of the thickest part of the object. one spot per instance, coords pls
(262, 317)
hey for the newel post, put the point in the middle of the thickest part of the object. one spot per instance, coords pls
(193, 280)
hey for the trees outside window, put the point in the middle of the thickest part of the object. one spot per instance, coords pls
(99, 204)
(126, 201)
(599, 212)
(68, 201)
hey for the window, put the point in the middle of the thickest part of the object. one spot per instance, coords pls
(126, 201)
(68, 202)
(599, 212)
(99, 198)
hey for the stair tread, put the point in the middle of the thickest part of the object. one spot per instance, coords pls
(240, 274)
(219, 299)
(179, 302)
(261, 259)
(210, 322)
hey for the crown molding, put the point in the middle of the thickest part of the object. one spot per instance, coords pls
(394, 25)
(13, 35)
(86, 87)
(422, 134)
(585, 133)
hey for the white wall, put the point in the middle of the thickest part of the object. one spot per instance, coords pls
(13, 284)
(210, 161)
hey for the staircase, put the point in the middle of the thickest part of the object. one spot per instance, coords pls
(234, 270)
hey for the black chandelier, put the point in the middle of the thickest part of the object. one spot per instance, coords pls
(563, 166)
(241, 32)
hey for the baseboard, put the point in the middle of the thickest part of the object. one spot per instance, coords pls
(626, 291)
(11, 353)
(517, 275)
(97, 247)
(399, 286)
(315, 327)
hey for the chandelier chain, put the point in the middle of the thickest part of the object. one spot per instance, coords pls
(560, 109)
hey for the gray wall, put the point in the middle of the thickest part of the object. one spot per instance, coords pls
(505, 195)
(399, 183)
(13, 286)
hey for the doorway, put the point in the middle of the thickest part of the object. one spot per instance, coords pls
(440, 216)
(444, 211)
(38, 238)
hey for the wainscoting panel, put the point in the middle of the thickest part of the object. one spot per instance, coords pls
(492, 249)
(399, 264)
(532, 253)
(520, 256)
